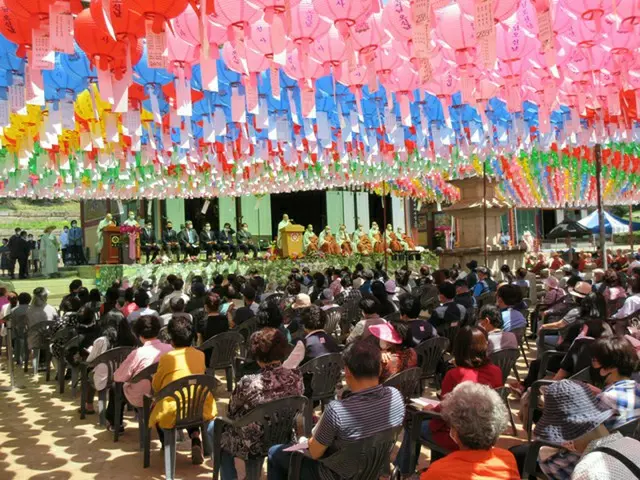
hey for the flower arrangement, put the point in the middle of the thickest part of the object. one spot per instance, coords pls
(130, 230)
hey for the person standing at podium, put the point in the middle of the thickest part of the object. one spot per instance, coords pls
(189, 241)
(208, 240)
(284, 223)
(170, 240)
(148, 241)
(104, 223)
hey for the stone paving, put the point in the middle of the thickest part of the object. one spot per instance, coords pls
(42, 437)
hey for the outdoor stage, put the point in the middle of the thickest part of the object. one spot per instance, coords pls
(272, 270)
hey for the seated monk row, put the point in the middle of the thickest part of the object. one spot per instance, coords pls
(361, 242)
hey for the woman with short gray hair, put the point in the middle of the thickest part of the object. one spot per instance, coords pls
(476, 416)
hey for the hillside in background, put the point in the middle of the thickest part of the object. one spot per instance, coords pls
(35, 215)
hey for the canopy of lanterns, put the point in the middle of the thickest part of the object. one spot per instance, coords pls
(162, 98)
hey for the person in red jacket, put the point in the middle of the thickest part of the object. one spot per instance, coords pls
(472, 364)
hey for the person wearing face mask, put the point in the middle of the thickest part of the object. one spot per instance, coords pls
(189, 240)
(104, 223)
(131, 220)
(170, 241)
(285, 222)
(376, 238)
(396, 357)
(362, 241)
(148, 241)
(616, 360)
(208, 240)
(328, 243)
(309, 240)
(344, 240)
(245, 241)
(225, 239)
(575, 420)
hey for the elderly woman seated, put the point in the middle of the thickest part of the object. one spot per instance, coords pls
(269, 348)
(476, 416)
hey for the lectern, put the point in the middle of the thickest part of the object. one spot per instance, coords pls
(110, 245)
(292, 241)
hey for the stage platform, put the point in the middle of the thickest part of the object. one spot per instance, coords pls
(272, 270)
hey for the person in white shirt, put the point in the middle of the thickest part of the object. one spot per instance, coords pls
(490, 320)
(142, 301)
(632, 303)
(178, 285)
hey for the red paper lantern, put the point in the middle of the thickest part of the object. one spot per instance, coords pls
(160, 11)
(125, 22)
(15, 29)
(98, 45)
(37, 10)
(119, 65)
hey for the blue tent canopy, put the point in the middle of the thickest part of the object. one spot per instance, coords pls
(612, 224)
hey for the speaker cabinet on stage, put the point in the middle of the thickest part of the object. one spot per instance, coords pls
(111, 245)
(292, 241)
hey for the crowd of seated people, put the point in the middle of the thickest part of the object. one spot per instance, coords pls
(167, 320)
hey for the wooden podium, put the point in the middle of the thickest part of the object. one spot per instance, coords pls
(110, 245)
(292, 241)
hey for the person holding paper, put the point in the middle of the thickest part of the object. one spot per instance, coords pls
(371, 408)
(208, 240)
(245, 241)
(189, 241)
(170, 240)
(285, 222)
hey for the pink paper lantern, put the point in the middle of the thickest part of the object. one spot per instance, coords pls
(181, 54)
(306, 25)
(386, 61)
(236, 16)
(330, 50)
(618, 41)
(456, 30)
(591, 11)
(187, 27)
(343, 13)
(274, 7)
(367, 35)
(502, 9)
(396, 18)
(298, 70)
(629, 14)
(512, 42)
(263, 41)
(252, 62)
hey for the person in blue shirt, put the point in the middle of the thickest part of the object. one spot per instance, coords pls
(483, 282)
(507, 297)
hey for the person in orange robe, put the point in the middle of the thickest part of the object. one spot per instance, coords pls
(376, 238)
(327, 242)
(411, 245)
(362, 241)
(310, 240)
(344, 240)
(392, 240)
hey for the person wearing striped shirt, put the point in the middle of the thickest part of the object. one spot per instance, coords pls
(369, 409)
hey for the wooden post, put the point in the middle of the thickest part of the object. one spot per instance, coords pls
(602, 239)
(384, 228)
(631, 226)
(484, 212)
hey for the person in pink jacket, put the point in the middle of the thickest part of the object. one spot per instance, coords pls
(146, 328)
